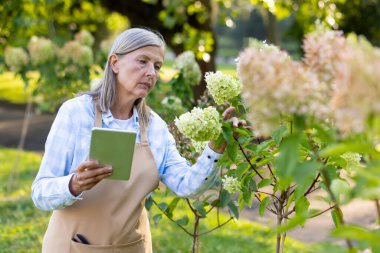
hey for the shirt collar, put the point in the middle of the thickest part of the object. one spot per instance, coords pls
(108, 118)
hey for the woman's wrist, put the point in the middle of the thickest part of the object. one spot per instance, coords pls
(75, 191)
(219, 149)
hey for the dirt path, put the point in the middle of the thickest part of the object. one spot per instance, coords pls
(11, 118)
(317, 229)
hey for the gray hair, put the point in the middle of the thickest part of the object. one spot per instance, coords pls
(128, 41)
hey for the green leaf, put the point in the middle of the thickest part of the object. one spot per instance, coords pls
(224, 197)
(263, 205)
(302, 205)
(148, 203)
(242, 168)
(264, 145)
(157, 218)
(232, 151)
(234, 209)
(200, 207)
(337, 216)
(163, 206)
(264, 182)
(183, 221)
(356, 232)
(287, 160)
(279, 134)
(247, 197)
(297, 220)
(171, 207)
(338, 149)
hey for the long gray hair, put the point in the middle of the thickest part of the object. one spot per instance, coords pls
(128, 41)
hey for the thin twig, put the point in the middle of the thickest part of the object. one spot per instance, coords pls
(247, 159)
(184, 229)
(224, 223)
(312, 185)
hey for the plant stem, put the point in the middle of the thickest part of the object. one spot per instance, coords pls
(247, 159)
(195, 247)
(377, 203)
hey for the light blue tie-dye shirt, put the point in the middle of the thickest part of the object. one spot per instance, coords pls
(68, 145)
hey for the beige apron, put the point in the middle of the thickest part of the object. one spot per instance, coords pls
(111, 215)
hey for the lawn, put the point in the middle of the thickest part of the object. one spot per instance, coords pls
(22, 225)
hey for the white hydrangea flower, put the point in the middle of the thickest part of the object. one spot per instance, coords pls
(41, 50)
(188, 66)
(231, 184)
(276, 87)
(78, 54)
(85, 38)
(200, 124)
(171, 100)
(16, 58)
(222, 87)
(199, 146)
(352, 160)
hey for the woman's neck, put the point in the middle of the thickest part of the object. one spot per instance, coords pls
(122, 109)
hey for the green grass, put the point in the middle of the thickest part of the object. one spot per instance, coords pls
(22, 225)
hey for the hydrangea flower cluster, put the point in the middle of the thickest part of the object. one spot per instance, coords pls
(16, 58)
(231, 184)
(200, 124)
(222, 87)
(352, 160)
(41, 50)
(85, 38)
(357, 86)
(199, 146)
(276, 87)
(188, 66)
(77, 53)
(321, 54)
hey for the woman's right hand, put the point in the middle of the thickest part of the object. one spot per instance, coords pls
(87, 175)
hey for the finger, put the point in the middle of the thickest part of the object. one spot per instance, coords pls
(93, 172)
(88, 183)
(242, 122)
(227, 113)
(88, 165)
(235, 122)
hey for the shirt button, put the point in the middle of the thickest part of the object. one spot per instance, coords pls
(209, 157)
(206, 178)
(216, 160)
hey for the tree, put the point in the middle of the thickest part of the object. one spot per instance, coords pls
(185, 25)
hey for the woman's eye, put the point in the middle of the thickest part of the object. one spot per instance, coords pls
(142, 61)
(157, 67)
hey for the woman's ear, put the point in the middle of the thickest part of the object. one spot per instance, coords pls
(114, 63)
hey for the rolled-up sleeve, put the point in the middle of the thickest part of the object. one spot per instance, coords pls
(182, 178)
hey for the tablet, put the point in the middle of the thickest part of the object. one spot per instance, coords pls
(115, 147)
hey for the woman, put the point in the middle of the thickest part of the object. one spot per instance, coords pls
(96, 215)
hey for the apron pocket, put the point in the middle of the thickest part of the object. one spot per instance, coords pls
(133, 247)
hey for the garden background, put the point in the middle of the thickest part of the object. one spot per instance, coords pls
(216, 32)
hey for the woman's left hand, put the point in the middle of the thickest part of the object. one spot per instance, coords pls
(227, 116)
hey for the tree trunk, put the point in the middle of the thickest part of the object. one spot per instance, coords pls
(271, 28)
(196, 247)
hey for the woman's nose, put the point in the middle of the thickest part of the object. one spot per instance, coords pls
(151, 71)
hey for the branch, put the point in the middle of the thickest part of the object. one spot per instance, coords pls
(312, 185)
(224, 223)
(183, 228)
(247, 159)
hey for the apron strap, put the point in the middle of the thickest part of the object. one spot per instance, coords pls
(144, 138)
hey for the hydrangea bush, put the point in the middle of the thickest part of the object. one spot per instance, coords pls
(63, 71)
(316, 127)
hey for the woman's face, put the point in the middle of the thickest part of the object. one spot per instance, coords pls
(137, 72)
